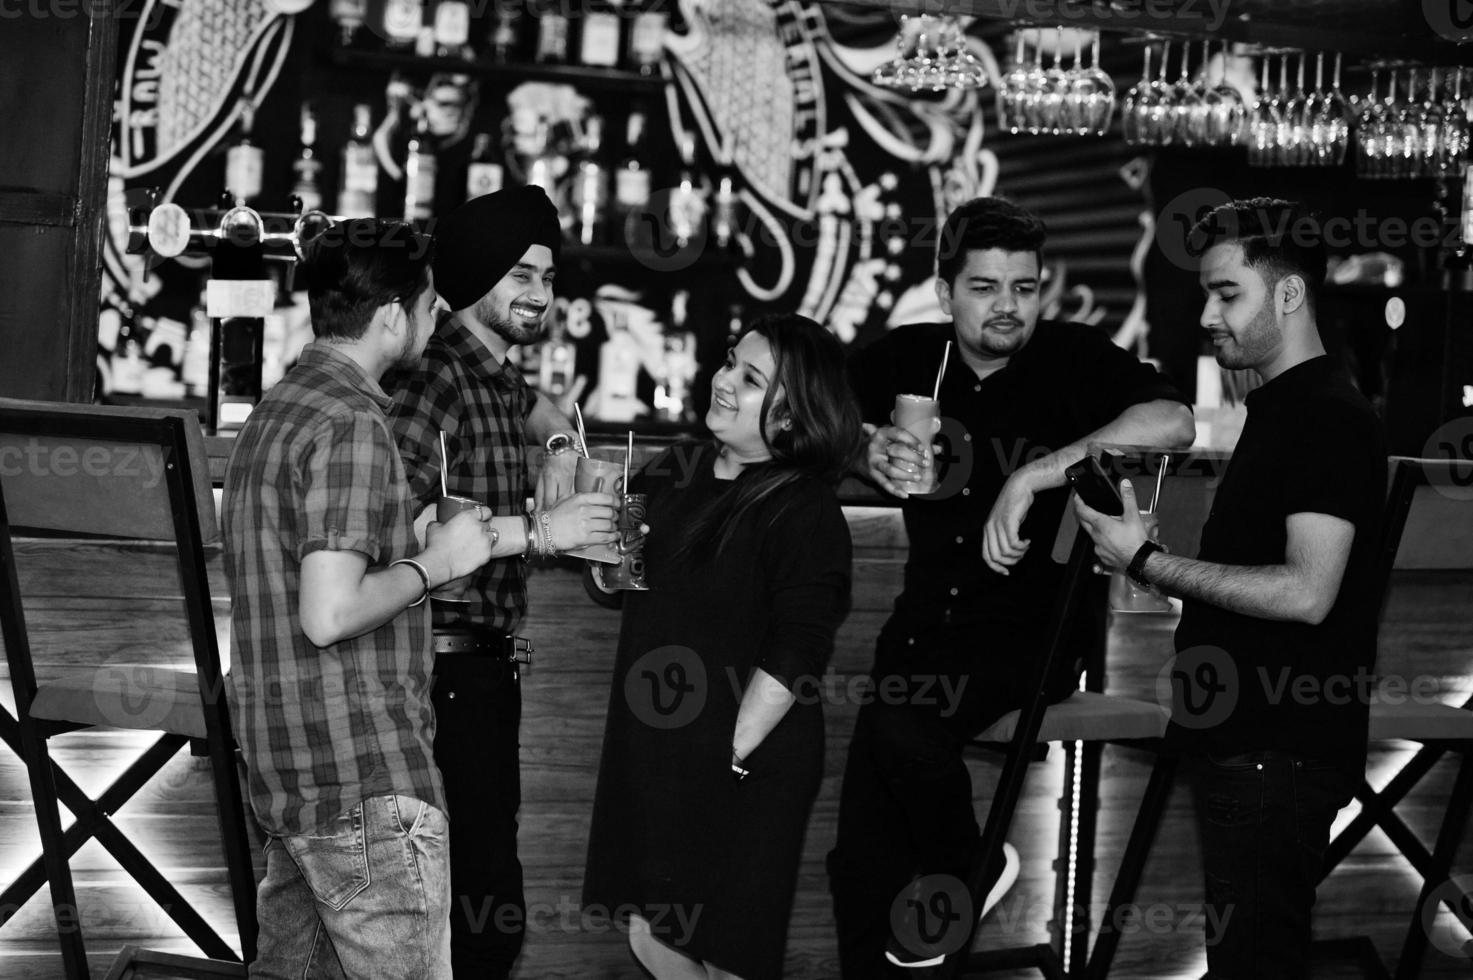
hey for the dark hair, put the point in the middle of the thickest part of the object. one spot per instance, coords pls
(823, 437)
(358, 265)
(1279, 238)
(983, 223)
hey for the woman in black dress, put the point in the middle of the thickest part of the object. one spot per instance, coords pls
(714, 747)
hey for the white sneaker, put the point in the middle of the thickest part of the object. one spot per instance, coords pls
(902, 957)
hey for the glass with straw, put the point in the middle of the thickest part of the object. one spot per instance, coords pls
(447, 507)
(921, 417)
(1125, 594)
(628, 575)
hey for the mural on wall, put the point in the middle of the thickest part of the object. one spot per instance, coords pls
(841, 185)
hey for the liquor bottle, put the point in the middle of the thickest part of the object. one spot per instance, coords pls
(244, 161)
(552, 35)
(402, 21)
(307, 166)
(647, 38)
(590, 196)
(420, 170)
(128, 362)
(599, 42)
(632, 185)
(542, 165)
(358, 183)
(196, 373)
(350, 15)
(723, 213)
(506, 36)
(452, 29)
(687, 207)
(485, 175)
(557, 366)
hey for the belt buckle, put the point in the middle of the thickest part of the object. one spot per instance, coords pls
(521, 650)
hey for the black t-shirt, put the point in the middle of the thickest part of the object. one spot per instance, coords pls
(1066, 382)
(1311, 444)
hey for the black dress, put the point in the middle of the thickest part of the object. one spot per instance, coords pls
(711, 863)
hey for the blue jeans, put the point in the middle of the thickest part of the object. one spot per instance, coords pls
(1265, 821)
(368, 897)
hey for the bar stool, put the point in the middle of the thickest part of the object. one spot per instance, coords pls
(1428, 527)
(1084, 722)
(127, 476)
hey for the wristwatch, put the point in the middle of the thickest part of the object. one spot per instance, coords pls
(1137, 567)
(561, 442)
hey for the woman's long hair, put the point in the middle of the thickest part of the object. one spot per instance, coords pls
(821, 438)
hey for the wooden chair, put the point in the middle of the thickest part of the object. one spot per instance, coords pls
(128, 476)
(1084, 723)
(1428, 526)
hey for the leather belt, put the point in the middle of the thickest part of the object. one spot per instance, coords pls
(485, 643)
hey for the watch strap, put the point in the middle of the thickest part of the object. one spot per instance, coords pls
(1137, 567)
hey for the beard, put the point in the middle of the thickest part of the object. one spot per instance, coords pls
(1258, 339)
(509, 330)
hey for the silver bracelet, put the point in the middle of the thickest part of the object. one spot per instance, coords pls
(423, 575)
(545, 519)
(532, 545)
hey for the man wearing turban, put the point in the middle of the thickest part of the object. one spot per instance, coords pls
(495, 259)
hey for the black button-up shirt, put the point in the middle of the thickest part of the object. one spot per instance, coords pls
(1066, 382)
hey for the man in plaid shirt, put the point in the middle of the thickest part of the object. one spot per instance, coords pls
(495, 259)
(330, 640)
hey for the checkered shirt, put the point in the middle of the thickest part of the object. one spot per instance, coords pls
(482, 406)
(322, 728)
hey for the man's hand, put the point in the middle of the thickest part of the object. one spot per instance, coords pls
(1116, 539)
(898, 461)
(460, 545)
(556, 479)
(584, 519)
(1003, 545)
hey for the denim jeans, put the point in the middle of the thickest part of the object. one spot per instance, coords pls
(369, 897)
(1265, 821)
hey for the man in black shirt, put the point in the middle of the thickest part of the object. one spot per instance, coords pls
(1278, 630)
(1021, 398)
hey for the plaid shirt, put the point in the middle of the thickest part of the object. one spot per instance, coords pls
(481, 405)
(322, 728)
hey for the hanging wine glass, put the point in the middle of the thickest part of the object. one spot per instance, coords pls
(1189, 122)
(1226, 115)
(1010, 92)
(1134, 109)
(1298, 151)
(1101, 109)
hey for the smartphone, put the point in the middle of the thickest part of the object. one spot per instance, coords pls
(1094, 486)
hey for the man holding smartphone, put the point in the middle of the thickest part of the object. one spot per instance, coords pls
(1281, 600)
(1020, 402)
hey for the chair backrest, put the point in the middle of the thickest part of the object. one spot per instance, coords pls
(92, 469)
(136, 478)
(1431, 505)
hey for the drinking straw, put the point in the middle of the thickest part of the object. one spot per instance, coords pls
(936, 391)
(628, 453)
(582, 437)
(1160, 475)
(444, 465)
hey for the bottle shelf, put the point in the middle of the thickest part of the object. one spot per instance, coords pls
(605, 79)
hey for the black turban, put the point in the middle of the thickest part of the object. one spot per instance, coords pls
(479, 242)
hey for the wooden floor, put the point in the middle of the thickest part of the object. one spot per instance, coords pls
(1428, 633)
